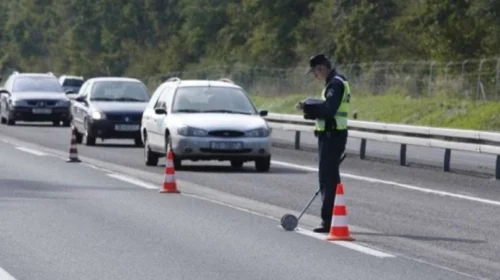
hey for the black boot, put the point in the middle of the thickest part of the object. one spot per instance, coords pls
(321, 230)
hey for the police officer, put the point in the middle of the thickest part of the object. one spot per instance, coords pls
(331, 130)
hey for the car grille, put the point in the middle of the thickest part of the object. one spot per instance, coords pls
(123, 117)
(41, 103)
(226, 133)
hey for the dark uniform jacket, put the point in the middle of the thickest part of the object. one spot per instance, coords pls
(333, 98)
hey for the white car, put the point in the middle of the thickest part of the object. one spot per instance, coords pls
(205, 120)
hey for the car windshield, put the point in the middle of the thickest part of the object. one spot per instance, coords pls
(40, 84)
(125, 91)
(72, 83)
(212, 99)
(70, 88)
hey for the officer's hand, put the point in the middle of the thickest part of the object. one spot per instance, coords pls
(299, 105)
(308, 110)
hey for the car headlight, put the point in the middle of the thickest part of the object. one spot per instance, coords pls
(17, 102)
(63, 103)
(98, 115)
(191, 131)
(259, 132)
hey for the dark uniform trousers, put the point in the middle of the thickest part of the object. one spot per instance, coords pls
(331, 146)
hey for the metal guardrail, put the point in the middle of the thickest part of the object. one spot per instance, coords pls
(445, 138)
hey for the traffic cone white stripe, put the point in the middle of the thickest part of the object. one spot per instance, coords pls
(169, 178)
(339, 200)
(169, 163)
(339, 221)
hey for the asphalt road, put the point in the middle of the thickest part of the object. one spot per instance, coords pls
(446, 221)
(70, 221)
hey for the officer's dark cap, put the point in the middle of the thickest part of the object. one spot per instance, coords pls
(319, 59)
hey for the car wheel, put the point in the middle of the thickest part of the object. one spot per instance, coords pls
(11, 121)
(79, 138)
(263, 165)
(150, 157)
(138, 142)
(236, 163)
(8, 119)
(177, 162)
(2, 120)
(78, 135)
(89, 139)
(66, 123)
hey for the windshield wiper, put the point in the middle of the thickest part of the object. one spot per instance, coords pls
(129, 99)
(226, 111)
(187, 111)
(102, 99)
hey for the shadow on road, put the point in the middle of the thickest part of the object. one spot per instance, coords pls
(41, 125)
(115, 145)
(228, 169)
(28, 189)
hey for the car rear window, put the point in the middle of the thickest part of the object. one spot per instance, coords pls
(72, 83)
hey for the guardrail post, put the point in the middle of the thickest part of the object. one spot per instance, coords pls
(447, 157)
(362, 149)
(297, 140)
(497, 171)
(402, 154)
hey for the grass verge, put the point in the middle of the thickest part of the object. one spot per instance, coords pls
(393, 108)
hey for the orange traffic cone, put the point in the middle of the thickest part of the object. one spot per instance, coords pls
(73, 152)
(339, 229)
(169, 184)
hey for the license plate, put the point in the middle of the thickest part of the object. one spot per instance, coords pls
(42, 111)
(127, 127)
(226, 145)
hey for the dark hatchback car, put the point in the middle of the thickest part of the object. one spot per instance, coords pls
(34, 97)
(109, 108)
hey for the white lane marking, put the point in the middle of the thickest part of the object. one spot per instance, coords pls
(355, 247)
(346, 244)
(231, 206)
(442, 267)
(97, 168)
(396, 184)
(31, 151)
(133, 181)
(4, 275)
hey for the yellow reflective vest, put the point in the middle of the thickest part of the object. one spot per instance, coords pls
(343, 110)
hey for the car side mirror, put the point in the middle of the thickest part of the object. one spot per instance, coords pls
(71, 94)
(263, 113)
(80, 99)
(160, 111)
